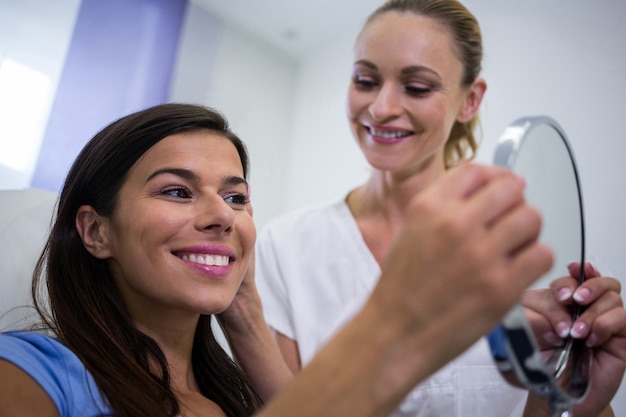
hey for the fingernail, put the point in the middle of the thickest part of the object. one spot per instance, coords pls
(562, 329)
(582, 294)
(578, 330)
(564, 294)
(591, 340)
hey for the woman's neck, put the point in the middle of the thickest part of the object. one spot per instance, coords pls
(388, 194)
(176, 343)
(380, 206)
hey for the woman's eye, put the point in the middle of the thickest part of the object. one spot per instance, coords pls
(237, 199)
(178, 192)
(418, 91)
(364, 83)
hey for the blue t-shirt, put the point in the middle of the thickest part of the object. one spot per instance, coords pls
(57, 370)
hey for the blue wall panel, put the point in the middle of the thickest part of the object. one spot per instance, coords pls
(120, 59)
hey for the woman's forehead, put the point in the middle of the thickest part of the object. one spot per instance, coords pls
(399, 40)
(204, 152)
(407, 28)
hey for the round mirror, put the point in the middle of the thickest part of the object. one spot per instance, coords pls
(538, 150)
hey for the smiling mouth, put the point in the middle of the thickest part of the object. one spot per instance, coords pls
(389, 134)
(203, 259)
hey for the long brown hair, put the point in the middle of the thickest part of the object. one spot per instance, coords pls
(85, 309)
(461, 144)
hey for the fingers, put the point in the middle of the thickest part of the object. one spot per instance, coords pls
(514, 227)
(501, 195)
(575, 270)
(563, 289)
(486, 193)
(517, 228)
(465, 179)
(600, 299)
(497, 200)
(550, 320)
(494, 197)
(602, 302)
(594, 288)
(492, 201)
(528, 264)
(602, 318)
(568, 290)
(610, 324)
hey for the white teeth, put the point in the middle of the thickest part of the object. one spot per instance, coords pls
(388, 134)
(218, 260)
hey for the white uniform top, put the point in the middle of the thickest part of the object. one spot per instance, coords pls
(314, 271)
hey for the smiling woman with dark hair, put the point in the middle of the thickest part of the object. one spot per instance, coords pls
(121, 218)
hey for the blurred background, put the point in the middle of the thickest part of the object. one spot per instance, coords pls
(279, 71)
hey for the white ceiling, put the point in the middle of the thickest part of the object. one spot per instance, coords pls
(293, 26)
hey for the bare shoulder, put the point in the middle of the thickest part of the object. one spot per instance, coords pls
(21, 395)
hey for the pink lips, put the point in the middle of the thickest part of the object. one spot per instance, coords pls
(211, 260)
(211, 270)
(387, 135)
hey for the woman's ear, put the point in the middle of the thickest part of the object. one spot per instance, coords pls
(92, 229)
(473, 98)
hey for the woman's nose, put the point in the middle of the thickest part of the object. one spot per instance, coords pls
(386, 104)
(215, 214)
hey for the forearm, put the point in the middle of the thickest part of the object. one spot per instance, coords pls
(359, 373)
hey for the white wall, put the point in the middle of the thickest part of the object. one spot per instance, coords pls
(558, 58)
(253, 85)
(34, 39)
(325, 162)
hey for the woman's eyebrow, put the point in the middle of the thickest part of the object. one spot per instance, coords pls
(405, 71)
(234, 180)
(192, 176)
(418, 68)
(180, 172)
(366, 63)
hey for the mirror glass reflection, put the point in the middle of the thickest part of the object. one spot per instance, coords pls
(544, 160)
(538, 150)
